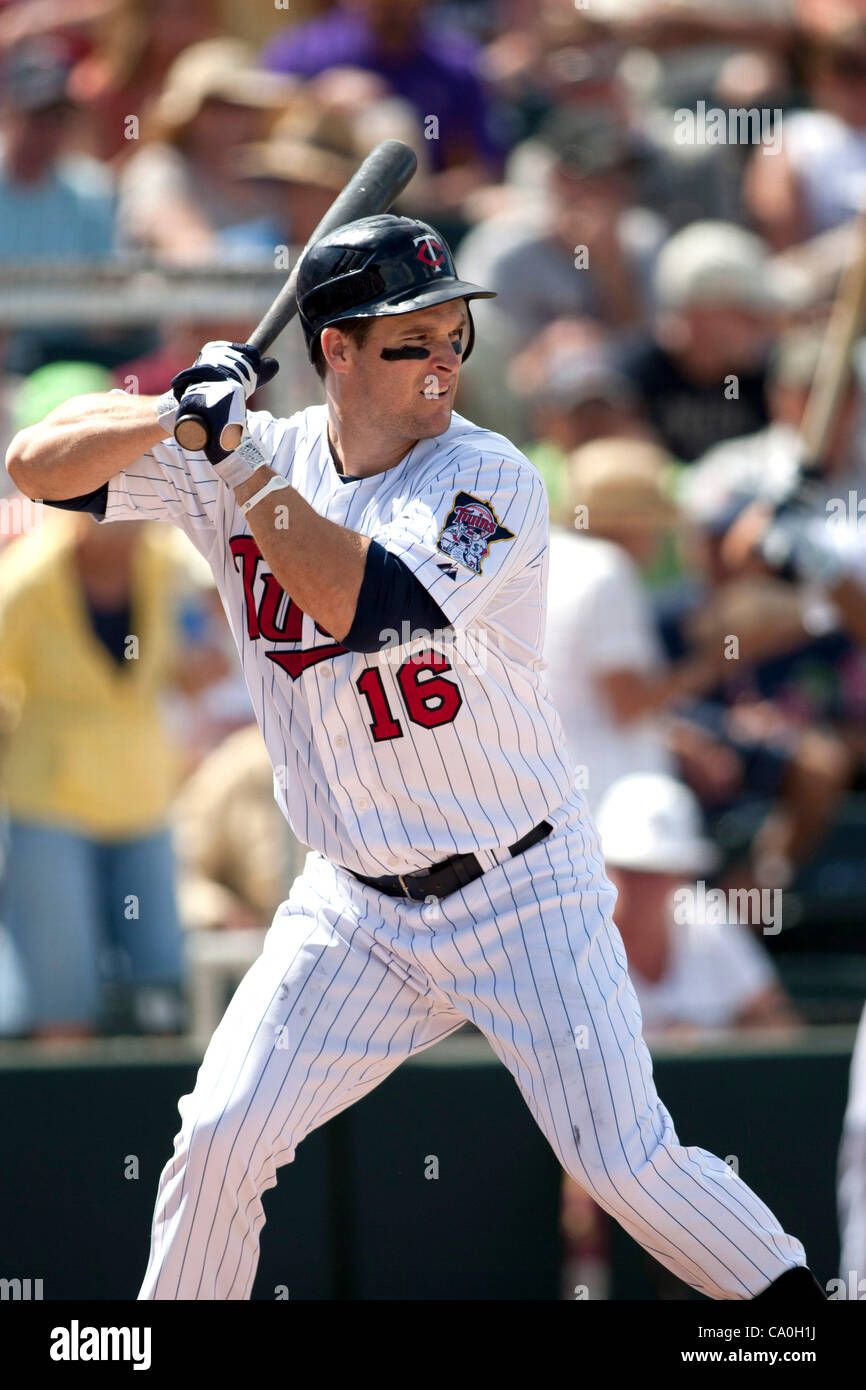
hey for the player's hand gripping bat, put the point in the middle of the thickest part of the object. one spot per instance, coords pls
(372, 189)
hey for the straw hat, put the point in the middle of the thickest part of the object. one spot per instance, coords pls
(307, 145)
(621, 482)
(216, 69)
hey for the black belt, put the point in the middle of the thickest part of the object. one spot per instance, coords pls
(447, 876)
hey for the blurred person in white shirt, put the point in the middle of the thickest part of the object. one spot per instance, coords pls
(606, 670)
(690, 972)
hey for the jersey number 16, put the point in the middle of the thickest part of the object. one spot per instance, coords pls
(430, 698)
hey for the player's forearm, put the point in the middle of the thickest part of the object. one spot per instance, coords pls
(82, 444)
(320, 564)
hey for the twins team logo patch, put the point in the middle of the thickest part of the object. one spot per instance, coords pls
(470, 529)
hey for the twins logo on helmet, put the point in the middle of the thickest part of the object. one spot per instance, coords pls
(470, 529)
(429, 251)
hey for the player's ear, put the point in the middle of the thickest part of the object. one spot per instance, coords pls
(335, 348)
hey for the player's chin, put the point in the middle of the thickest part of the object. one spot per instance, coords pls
(435, 418)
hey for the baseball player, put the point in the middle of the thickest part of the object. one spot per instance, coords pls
(454, 873)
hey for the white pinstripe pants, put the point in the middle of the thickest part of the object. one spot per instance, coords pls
(851, 1173)
(351, 982)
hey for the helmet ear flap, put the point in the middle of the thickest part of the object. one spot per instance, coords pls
(470, 341)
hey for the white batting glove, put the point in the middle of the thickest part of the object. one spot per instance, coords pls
(223, 405)
(228, 359)
(224, 361)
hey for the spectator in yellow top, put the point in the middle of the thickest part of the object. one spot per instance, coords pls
(89, 624)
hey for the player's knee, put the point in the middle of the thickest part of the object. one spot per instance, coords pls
(223, 1142)
(619, 1174)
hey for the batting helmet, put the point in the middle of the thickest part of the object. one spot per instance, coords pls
(374, 267)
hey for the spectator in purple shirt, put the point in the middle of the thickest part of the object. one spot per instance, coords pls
(436, 70)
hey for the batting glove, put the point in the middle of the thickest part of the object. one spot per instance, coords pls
(223, 405)
(228, 362)
(217, 387)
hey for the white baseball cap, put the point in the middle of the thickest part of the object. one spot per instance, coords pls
(652, 822)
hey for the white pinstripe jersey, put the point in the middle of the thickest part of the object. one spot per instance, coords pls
(390, 761)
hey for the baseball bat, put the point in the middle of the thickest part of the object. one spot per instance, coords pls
(834, 362)
(822, 405)
(372, 188)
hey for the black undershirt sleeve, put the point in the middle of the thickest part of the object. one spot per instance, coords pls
(94, 502)
(392, 604)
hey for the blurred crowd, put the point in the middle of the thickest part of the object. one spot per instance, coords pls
(663, 196)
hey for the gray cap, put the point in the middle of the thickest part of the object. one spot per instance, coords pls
(717, 262)
(587, 142)
(581, 376)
